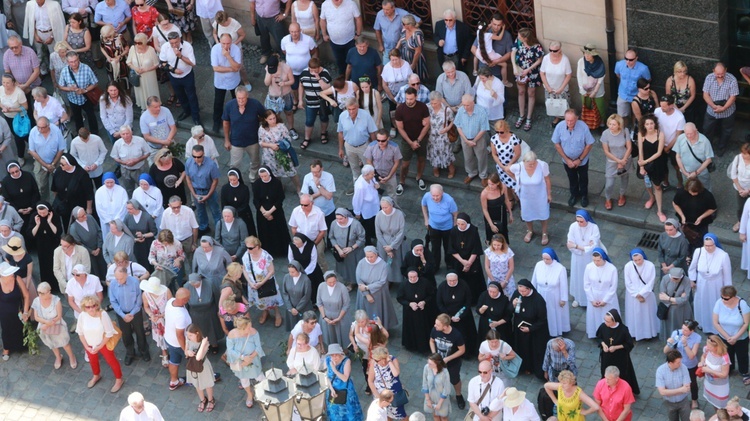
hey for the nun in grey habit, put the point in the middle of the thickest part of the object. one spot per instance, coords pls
(211, 260)
(333, 303)
(372, 288)
(296, 291)
(204, 308)
(119, 238)
(347, 236)
(231, 233)
(87, 232)
(389, 230)
(143, 227)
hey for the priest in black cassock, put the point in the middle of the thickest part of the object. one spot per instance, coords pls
(421, 259)
(454, 299)
(465, 246)
(417, 297)
(530, 328)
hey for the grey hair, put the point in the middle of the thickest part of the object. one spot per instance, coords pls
(175, 199)
(43, 119)
(414, 77)
(351, 101)
(14, 36)
(697, 415)
(70, 54)
(690, 126)
(467, 97)
(417, 416)
(135, 398)
(309, 315)
(152, 100)
(240, 89)
(553, 44)
(40, 90)
(408, 20)
(448, 65)
(612, 370)
(435, 95)
(438, 187)
(528, 156)
(126, 128)
(368, 169)
(196, 130)
(449, 13)
(43, 287)
(360, 315)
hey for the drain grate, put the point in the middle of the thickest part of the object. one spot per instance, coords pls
(649, 240)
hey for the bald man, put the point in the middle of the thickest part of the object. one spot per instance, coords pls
(176, 320)
(482, 390)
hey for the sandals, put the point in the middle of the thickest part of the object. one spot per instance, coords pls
(249, 403)
(527, 126)
(608, 204)
(545, 239)
(528, 237)
(519, 122)
(305, 144)
(649, 204)
(263, 317)
(202, 405)
(295, 107)
(210, 405)
(278, 321)
(171, 100)
(324, 138)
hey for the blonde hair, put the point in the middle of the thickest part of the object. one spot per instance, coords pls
(140, 37)
(160, 154)
(107, 31)
(242, 322)
(679, 65)
(379, 353)
(62, 45)
(120, 257)
(234, 270)
(502, 125)
(229, 303)
(617, 118)
(566, 376)
(721, 347)
(90, 300)
(253, 240)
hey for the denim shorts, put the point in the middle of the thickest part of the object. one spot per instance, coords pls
(312, 113)
(176, 354)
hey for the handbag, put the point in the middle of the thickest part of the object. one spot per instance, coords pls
(94, 94)
(237, 365)
(470, 415)
(195, 363)
(590, 114)
(21, 123)
(53, 330)
(268, 289)
(114, 339)
(662, 310)
(340, 398)
(178, 11)
(453, 132)
(556, 106)
(400, 398)
(699, 372)
(335, 251)
(711, 167)
(133, 77)
(512, 367)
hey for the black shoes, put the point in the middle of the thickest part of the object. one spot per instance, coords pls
(183, 116)
(146, 357)
(572, 201)
(128, 360)
(584, 201)
(460, 402)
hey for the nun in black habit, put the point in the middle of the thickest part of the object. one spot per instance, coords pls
(20, 190)
(494, 312)
(268, 198)
(530, 329)
(465, 246)
(236, 193)
(420, 258)
(302, 249)
(417, 297)
(46, 230)
(615, 344)
(72, 187)
(454, 299)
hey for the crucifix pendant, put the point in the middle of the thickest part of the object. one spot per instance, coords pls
(462, 244)
(610, 341)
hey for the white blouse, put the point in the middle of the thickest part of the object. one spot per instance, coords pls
(94, 329)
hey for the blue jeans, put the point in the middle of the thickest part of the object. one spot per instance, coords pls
(200, 209)
(184, 88)
(339, 54)
(312, 113)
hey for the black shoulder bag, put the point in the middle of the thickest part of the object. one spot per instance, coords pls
(268, 289)
(711, 167)
(335, 251)
(662, 310)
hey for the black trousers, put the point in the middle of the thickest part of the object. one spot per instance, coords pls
(135, 326)
(77, 115)
(738, 357)
(21, 141)
(439, 238)
(219, 95)
(578, 179)
(339, 54)
(184, 88)
(722, 126)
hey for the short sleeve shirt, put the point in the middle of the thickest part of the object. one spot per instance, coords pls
(228, 80)
(244, 125)
(628, 87)
(383, 160)
(670, 124)
(730, 319)
(364, 64)
(721, 93)
(412, 118)
(158, 126)
(575, 141)
(175, 318)
(440, 213)
(447, 343)
(340, 20)
(297, 53)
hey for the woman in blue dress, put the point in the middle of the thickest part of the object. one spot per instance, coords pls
(384, 375)
(339, 378)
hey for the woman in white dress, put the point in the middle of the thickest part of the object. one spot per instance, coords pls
(583, 237)
(534, 190)
(111, 201)
(551, 281)
(640, 303)
(709, 270)
(600, 287)
(389, 231)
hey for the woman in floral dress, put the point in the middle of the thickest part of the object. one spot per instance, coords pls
(384, 375)
(411, 47)
(528, 54)
(79, 38)
(155, 297)
(145, 17)
(258, 267)
(270, 134)
(182, 14)
(499, 264)
(440, 150)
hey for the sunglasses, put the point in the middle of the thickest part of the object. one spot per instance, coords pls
(251, 248)
(304, 205)
(726, 298)
(413, 84)
(79, 274)
(197, 156)
(629, 59)
(482, 372)
(138, 43)
(501, 132)
(90, 307)
(554, 51)
(382, 141)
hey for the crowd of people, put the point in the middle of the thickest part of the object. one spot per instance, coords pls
(133, 251)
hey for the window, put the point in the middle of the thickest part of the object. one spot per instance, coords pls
(517, 13)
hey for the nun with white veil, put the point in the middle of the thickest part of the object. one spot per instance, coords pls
(372, 288)
(550, 279)
(709, 271)
(640, 303)
(111, 201)
(583, 237)
(150, 197)
(600, 286)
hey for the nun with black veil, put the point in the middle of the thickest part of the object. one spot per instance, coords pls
(72, 187)
(20, 190)
(144, 230)
(454, 299)
(236, 193)
(494, 312)
(302, 249)
(615, 344)
(417, 297)
(45, 230)
(465, 246)
(421, 259)
(268, 198)
(296, 291)
(530, 329)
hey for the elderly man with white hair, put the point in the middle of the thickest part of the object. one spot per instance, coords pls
(199, 137)
(472, 122)
(453, 84)
(131, 152)
(139, 409)
(694, 154)
(453, 39)
(423, 92)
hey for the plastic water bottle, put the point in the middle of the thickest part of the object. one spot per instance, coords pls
(647, 180)
(460, 312)
(518, 305)
(389, 261)
(489, 321)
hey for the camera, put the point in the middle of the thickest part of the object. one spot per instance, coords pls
(485, 410)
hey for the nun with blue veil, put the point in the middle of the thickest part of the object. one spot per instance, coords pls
(550, 279)
(710, 270)
(583, 238)
(600, 286)
(640, 302)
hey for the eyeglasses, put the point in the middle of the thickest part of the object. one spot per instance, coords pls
(201, 136)
(251, 247)
(79, 274)
(304, 205)
(554, 51)
(482, 372)
(138, 43)
(501, 132)
(449, 20)
(726, 298)
(629, 59)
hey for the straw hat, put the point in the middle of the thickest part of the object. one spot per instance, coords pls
(14, 247)
(590, 49)
(514, 397)
(153, 285)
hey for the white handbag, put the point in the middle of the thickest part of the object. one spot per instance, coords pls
(556, 107)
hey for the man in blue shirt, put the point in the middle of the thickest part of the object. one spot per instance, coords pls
(125, 296)
(573, 142)
(440, 212)
(202, 177)
(363, 61)
(115, 13)
(673, 384)
(241, 120)
(356, 129)
(77, 79)
(628, 71)
(226, 60)
(388, 27)
(46, 146)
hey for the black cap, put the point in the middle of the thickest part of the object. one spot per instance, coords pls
(273, 64)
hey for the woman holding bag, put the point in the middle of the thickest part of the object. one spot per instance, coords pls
(95, 329)
(203, 379)
(244, 352)
(590, 76)
(556, 74)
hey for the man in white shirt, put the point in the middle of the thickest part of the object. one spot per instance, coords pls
(226, 60)
(308, 219)
(378, 410)
(44, 26)
(298, 48)
(336, 17)
(180, 58)
(131, 152)
(157, 126)
(140, 410)
(176, 320)
(206, 11)
(483, 389)
(181, 221)
(89, 150)
(321, 186)
(672, 124)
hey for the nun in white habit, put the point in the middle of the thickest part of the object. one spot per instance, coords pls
(372, 288)
(709, 271)
(600, 286)
(389, 231)
(640, 302)
(150, 197)
(111, 202)
(550, 279)
(583, 237)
